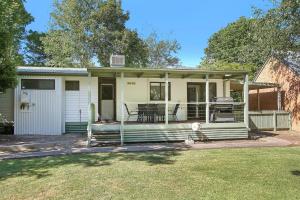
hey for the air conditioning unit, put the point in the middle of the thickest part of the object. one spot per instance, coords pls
(117, 60)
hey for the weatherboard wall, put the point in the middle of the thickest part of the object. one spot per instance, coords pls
(44, 114)
(137, 90)
(50, 110)
(76, 102)
(7, 104)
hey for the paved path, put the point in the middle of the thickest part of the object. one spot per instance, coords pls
(263, 142)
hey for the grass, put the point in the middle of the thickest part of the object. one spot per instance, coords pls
(262, 173)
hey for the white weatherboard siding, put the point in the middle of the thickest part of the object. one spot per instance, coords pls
(137, 90)
(50, 109)
(7, 104)
(72, 106)
(44, 115)
(76, 102)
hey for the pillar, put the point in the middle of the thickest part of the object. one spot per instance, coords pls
(207, 98)
(246, 100)
(166, 98)
(122, 108)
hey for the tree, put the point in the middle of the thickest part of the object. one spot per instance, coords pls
(60, 49)
(13, 19)
(68, 40)
(34, 49)
(278, 29)
(224, 65)
(249, 42)
(233, 47)
(161, 52)
(133, 45)
(84, 30)
(110, 36)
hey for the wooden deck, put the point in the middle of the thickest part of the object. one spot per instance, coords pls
(160, 132)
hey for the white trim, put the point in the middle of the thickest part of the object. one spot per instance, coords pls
(122, 108)
(207, 99)
(89, 110)
(167, 98)
(246, 100)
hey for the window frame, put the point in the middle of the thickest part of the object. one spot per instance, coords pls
(73, 81)
(112, 90)
(161, 90)
(38, 85)
(212, 85)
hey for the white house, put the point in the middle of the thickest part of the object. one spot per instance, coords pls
(53, 101)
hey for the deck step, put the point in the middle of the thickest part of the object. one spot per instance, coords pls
(110, 137)
(105, 133)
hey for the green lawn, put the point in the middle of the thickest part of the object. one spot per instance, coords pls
(262, 173)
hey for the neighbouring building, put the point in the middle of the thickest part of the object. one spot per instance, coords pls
(286, 73)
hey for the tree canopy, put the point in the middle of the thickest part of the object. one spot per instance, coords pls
(34, 53)
(84, 30)
(162, 53)
(13, 19)
(248, 42)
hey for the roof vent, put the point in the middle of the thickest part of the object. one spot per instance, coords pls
(117, 60)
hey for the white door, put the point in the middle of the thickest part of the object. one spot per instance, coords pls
(73, 112)
(196, 96)
(107, 101)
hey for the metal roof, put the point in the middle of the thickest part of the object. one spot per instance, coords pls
(292, 60)
(170, 70)
(28, 70)
(238, 85)
(131, 72)
(160, 72)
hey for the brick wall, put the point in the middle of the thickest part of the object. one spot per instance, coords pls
(276, 72)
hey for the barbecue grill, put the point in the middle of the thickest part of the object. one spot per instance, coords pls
(222, 109)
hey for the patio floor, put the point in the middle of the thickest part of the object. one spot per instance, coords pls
(37, 146)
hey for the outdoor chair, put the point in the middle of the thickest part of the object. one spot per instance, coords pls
(142, 110)
(130, 113)
(174, 113)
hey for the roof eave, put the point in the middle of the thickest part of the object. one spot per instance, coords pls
(165, 70)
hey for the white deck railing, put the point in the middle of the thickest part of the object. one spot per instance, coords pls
(154, 112)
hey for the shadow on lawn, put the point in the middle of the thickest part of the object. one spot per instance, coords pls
(296, 172)
(39, 167)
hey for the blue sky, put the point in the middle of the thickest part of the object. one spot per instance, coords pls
(191, 22)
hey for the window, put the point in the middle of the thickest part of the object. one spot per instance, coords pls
(196, 91)
(72, 86)
(38, 84)
(157, 91)
(107, 92)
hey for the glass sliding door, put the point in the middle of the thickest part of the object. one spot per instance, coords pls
(196, 99)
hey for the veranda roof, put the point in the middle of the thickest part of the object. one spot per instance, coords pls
(133, 72)
(29, 70)
(238, 85)
(160, 72)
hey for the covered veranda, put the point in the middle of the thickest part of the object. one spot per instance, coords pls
(169, 129)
